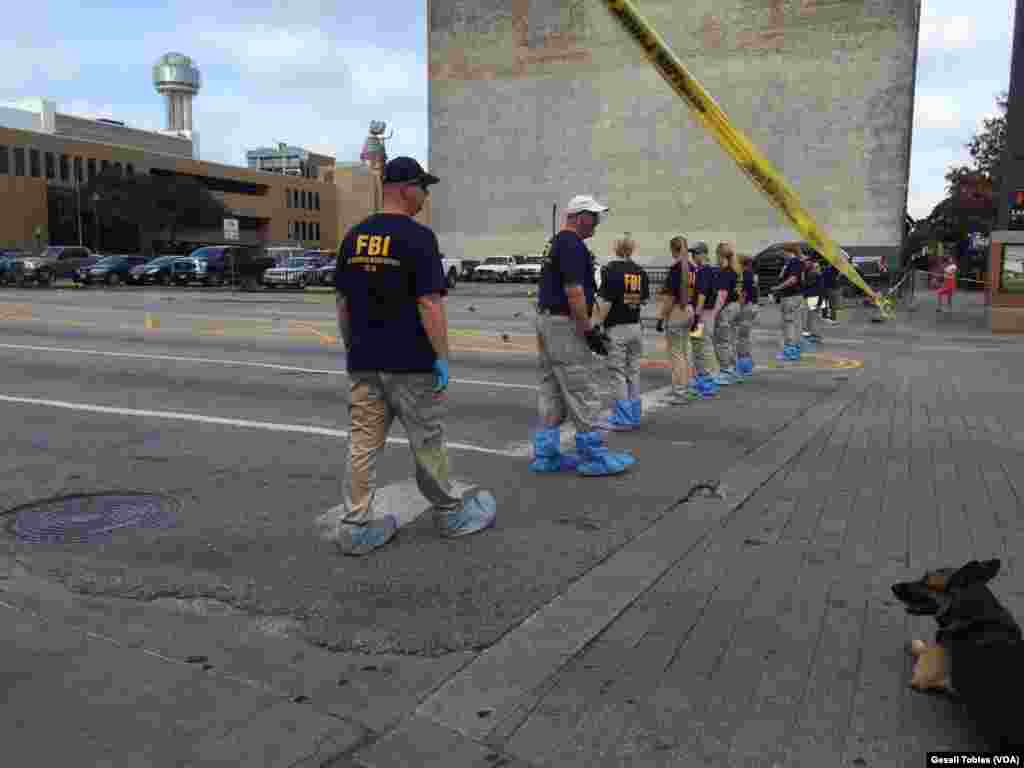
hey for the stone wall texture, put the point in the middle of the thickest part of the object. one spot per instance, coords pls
(533, 101)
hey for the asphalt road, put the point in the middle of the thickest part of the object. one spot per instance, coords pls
(235, 404)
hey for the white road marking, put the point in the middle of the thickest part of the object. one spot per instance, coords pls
(247, 363)
(203, 419)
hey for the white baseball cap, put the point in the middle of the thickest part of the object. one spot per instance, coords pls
(582, 203)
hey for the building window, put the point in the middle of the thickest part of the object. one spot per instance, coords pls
(117, 168)
(316, 201)
(51, 166)
(316, 231)
(104, 165)
(92, 168)
(5, 167)
(79, 176)
(129, 169)
(287, 197)
(65, 168)
(304, 232)
(33, 163)
(19, 161)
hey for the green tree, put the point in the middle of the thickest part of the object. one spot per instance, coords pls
(985, 148)
(153, 204)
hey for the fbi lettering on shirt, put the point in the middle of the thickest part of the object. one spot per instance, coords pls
(633, 285)
(373, 252)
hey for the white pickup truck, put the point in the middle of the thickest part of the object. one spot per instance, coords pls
(452, 268)
(496, 268)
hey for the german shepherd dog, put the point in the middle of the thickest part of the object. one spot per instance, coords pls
(978, 652)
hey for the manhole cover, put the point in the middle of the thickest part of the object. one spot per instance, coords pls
(88, 517)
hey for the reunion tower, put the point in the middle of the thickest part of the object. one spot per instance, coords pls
(176, 77)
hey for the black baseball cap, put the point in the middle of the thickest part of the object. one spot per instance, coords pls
(405, 170)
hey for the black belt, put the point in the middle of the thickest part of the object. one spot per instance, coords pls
(555, 312)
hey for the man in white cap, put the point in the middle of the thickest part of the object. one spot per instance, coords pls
(566, 340)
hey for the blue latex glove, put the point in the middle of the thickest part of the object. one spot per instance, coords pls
(440, 375)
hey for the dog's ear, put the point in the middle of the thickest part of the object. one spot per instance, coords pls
(974, 572)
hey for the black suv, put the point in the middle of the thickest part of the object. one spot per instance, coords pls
(230, 264)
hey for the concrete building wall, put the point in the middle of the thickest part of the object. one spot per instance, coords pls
(355, 184)
(90, 130)
(533, 101)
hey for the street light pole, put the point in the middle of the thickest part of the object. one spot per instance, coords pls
(96, 219)
(78, 200)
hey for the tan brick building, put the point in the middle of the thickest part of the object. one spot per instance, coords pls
(46, 158)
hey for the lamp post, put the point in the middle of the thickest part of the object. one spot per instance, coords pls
(96, 218)
(375, 156)
(78, 205)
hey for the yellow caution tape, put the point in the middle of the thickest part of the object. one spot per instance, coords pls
(750, 160)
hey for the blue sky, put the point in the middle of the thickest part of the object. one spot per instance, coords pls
(313, 73)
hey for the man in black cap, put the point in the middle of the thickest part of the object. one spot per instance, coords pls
(391, 318)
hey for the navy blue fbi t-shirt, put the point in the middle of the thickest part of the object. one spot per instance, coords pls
(626, 286)
(750, 289)
(810, 282)
(793, 268)
(675, 284)
(385, 264)
(726, 281)
(705, 285)
(567, 261)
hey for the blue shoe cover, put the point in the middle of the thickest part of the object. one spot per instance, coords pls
(547, 453)
(477, 512)
(596, 460)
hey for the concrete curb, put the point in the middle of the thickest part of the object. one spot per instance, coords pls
(504, 681)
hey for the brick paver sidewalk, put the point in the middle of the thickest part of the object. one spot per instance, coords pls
(776, 641)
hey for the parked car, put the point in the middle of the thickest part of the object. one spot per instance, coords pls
(325, 273)
(7, 267)
(299, 272)
(496, 268)
(188, 269)
(156, 270)
(281, 253)
(528, 270)
(451, 268)
(468, 265)
(319, 256)
(228, 265)
(55, 262)
(112, 270)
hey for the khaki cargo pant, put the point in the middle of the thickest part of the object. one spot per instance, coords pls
(567, 384)
(747, 318)
(375, 400)
(624, 355)
(678, 336)
(812, 318)
(701, 345)
(791, 318)
(725, 335)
